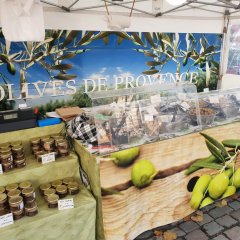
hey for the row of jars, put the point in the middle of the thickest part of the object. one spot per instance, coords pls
(58, 189)
(12, 155)
(47, 144)
(19, 199)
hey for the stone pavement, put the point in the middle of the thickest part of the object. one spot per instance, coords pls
(219, 223)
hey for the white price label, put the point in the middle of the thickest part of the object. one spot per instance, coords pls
(65, 204)
(148, 117)
(1, 169)
(6, 220)
(47, 158)
(155, 99)
(185, 105)
(213, 99)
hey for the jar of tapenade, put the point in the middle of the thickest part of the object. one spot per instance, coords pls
(49, 192)
(14, 193)
(63, 152)
(67, 180)
(62, 191)
(7, 167)
(20, 163)
(40, 155)
(44, 187)
(62, 144)
(16, 203)
(73, 188)
(18, 214)
(6, 158)
(5, 150)
(36, 149)
(31, 209)
(12, 186)
(18, 152)
(3, 200)
(2, 189)
(48, 145)
(25, 184)
(28, 194)
(16, 143)
(4, 145)
(4, 211)
(53, 201)
(35, 142)
(56, 183)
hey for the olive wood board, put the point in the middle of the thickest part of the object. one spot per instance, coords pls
(135, 211)
(169, 156)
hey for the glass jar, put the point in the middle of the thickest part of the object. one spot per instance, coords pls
(25, 184)
(63, 152)
(35, 142)
(7, 167)
(44, 187)
(43, 139)
(63, 144)
(49, 192)
(16, 203)
(62, 191)
(3, 200)
(2, 189)
(5, 150)
(16, 144)
(12, 186)
(20, 163)
(28, 194)
(4, 211)
(36, 149)
(6, 158)
(48, 145)
(18, 152)
(31, 209)
(18, 214)
(73, 188)
(14, 193)
(56, 183)
(67, 180)
(53, 201)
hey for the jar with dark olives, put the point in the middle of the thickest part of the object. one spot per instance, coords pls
(62, 191)
(16, 203)
(28, 194)
(73, 188)
(53, 201)
(31, 209)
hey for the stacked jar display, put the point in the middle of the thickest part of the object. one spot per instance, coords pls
(19, 199)
(12, 155)
(50, 144)
(58, 189)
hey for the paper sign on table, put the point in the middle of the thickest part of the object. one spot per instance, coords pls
(47, 158)
(1, 170)
(185, 105)
(6, 220)
(64, 204)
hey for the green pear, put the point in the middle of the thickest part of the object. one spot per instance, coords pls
(125, 157)
(143, 173)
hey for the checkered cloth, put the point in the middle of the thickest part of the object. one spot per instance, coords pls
(81, 129)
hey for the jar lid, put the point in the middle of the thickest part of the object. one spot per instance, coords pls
(68, 180)
(25, 184)
(61, 189)
(56, 183)
(17, 148)
(45, 186)
(35, 140)
(5, 150)
(14, 193)
(27, 191)
(4, 145)
(31, 207)
(53, 198)
(11, 186)
(50, 140)
(49, 191)
(3, 197)
(45, 138)
(16, 143)
(15, 200)
(2, 189)
(73, 185)
(6, 154)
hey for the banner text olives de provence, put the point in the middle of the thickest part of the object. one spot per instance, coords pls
(218, 185)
